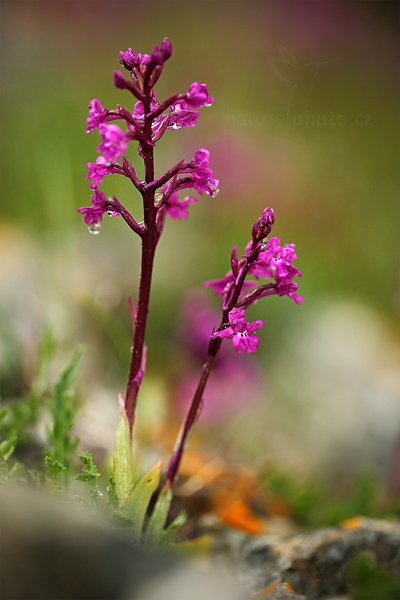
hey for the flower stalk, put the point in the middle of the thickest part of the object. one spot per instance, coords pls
(149, 243)
(214, 347)
(147, 123)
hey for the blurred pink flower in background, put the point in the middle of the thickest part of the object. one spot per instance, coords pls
(234, 384)
(238, 160)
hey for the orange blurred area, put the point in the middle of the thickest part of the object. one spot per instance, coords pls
(268, 591)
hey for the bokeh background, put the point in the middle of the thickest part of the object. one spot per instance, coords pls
(305, 120)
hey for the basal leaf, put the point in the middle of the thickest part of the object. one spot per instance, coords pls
(158, 518)
(168, 535)
(122, 464)
(136, 505)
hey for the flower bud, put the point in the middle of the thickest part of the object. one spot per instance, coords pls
(161, 52)
(128, 59)
(262, 227)
(166, 48)
(120, 82)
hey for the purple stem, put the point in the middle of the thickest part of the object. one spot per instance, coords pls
(149, 243)
(178, 184)
(125, 116)
(129, 85)
(130, 172)
(116, 205)
(133, 135)
(261, 292)
(164, 105)
(213, 349)
(157, 183)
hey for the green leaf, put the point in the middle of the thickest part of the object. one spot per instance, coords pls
(89, 472)
(62, 409)
(137, 503)
(18, 417)
(54, 467)
(7, 447)
(155, 527)
(168, 535)
(21, 414)
(111, 494)
(197, 547)
(3, 414)
(89, 475)
(47, 350)
(122, 465)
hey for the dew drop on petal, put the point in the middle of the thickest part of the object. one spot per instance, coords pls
(175, 126)
(112, 213)
(208, 104)
(94, 229)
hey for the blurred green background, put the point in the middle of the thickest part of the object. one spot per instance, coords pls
(305, 120)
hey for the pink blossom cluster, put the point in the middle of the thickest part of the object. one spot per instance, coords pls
(176, 112)
(240, 288)
(94, 213)
(196, 175)
(240, 332)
